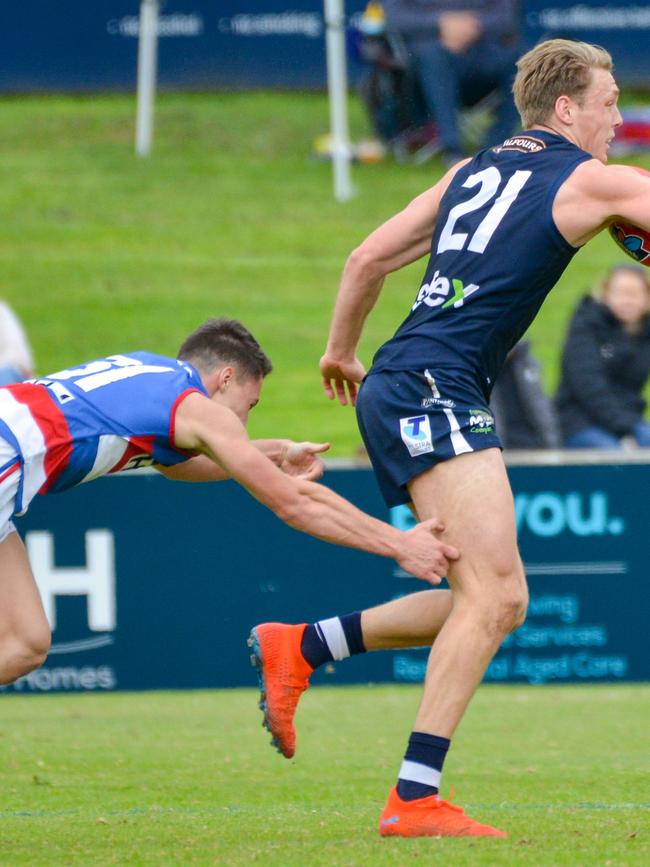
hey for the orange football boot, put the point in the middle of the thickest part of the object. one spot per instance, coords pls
(429, 817)
(283, 675)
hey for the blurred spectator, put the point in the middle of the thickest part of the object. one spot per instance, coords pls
(605, 365)
(525, 415)
(460, 52)
(16, 360)
(388, 89)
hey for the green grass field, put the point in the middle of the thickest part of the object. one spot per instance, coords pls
(101, 252)
(189, 778)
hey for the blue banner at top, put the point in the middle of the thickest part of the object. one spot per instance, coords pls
(80, 46)
(622, 28)
(76, 45)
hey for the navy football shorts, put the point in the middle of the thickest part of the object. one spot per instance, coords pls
(409, 422)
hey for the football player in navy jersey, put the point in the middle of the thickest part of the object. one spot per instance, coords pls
(499, 230)
(186, 417)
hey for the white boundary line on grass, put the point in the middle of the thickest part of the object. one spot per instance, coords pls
(188, 811)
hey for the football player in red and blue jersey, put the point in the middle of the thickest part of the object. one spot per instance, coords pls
(186, 417)
(499, 230)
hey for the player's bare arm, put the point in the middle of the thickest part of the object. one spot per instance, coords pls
(595, 194)
(295, 459)
(215, 431)
(402, 239)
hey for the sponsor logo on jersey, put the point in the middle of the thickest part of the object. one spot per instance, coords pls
(416, 434)
(137, 462)
(436, 293)
(524, 144)
(480, 421)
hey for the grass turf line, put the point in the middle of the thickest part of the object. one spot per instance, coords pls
(101, 252)
(190, 778)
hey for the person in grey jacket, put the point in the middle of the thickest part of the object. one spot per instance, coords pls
(460, 52)
(605, 365)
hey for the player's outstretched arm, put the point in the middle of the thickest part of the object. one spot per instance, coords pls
(398, 242)
(216, 432)
(296, 459)
(596, 194)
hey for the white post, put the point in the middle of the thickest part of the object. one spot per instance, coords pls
(337, 87)
(147, 61)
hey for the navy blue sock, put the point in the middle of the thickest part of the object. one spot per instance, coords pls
(314, 647)
(419, 775)
(335, 638)
(351, 624)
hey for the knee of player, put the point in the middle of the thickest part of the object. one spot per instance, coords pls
(517, 611)
(39, 643)
(21, 654)
(511, 608)
(501, 609)
(37, 637)
(513, 595)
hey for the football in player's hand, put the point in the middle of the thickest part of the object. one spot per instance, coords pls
(631, 239)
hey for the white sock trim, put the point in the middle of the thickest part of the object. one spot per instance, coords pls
(417, 773)
(332, 632)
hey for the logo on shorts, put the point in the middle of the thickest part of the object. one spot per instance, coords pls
(480, 421)
(435, 399)
(428, 402)
(416, 434)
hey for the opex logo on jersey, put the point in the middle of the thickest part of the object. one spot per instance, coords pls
(436, 292)
(416, 434)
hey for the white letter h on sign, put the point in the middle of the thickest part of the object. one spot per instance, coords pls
(96, 580)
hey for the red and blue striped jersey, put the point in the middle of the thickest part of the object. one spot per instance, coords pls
(109, 415)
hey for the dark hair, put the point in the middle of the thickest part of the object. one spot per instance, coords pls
(225, 341)
(631, 268)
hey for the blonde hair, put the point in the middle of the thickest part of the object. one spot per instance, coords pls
(557, 67)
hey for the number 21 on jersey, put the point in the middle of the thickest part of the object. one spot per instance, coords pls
(488, 182)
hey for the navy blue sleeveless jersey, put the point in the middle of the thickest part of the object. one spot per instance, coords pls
(495, 255)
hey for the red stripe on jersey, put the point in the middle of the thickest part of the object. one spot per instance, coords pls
(53, 426)
(172, 420)
(137, 446)
(12, 469)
